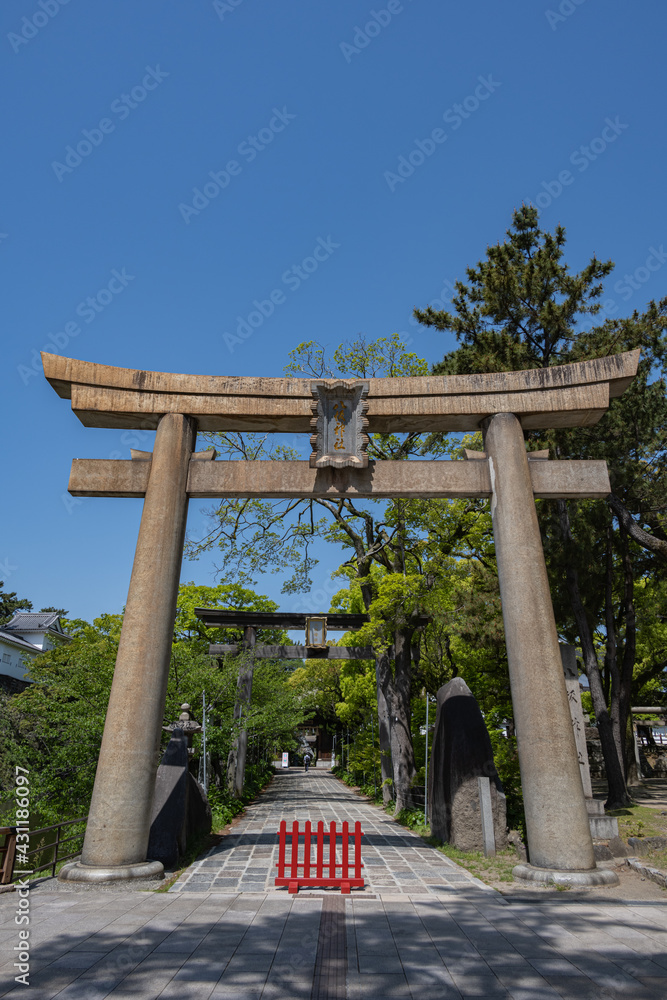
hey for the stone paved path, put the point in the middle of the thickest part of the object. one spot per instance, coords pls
(396, 861)
(400, 941)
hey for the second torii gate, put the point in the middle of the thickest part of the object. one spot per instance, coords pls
(250, 622)
(340, 414)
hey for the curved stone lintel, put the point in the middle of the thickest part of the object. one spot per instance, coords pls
(551, 876)
(574, 395)
(78, 872)
(617, 371)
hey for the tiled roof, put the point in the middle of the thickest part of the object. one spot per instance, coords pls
(32, 621)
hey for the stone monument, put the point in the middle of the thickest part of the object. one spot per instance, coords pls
(180, 806)
(461, 754)
(569, 658)
(167, 834)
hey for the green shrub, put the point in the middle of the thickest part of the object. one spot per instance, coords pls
(224, 807)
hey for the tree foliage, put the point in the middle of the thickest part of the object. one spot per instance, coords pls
(54, 728)
(522, 308)
(11, 603)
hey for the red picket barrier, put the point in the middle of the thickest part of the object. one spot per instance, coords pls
(314, 868)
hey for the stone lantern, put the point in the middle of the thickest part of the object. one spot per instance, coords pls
(188, 725)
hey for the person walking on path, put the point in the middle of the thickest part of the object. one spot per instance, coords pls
(306, 762)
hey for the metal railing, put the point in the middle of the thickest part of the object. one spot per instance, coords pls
(8, 850)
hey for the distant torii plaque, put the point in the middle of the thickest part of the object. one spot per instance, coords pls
(339, 425)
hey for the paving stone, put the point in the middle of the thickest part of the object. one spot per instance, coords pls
(554, 967)
(471, 984)
(379, 987)
(656, 983)
(540, 993)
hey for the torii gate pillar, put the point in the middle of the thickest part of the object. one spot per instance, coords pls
(556, 818)
(118, 826)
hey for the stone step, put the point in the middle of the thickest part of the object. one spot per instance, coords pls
(603, 827)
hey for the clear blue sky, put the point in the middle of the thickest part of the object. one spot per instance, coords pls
(303, 114)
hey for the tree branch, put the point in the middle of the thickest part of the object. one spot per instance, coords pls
(643, 538)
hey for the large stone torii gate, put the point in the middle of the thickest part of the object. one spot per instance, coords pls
(502, 405)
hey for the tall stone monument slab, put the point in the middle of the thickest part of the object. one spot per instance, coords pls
(461, 754)
(568, 655)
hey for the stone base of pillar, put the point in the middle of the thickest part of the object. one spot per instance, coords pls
(551, 876)
(78, 872)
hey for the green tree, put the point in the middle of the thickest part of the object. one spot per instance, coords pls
(10, 603)
(54, 728)
(522, 308)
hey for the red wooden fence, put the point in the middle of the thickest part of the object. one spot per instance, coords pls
(316, 871)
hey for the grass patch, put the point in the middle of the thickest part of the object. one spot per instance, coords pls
(639, 821)
(656, 859)
(488, 870)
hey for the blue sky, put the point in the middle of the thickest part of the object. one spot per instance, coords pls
(173, 162)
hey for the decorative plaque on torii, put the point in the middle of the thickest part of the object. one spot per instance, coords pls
(339, 439)
(501, 405)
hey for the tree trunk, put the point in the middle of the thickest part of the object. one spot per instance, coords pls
(630, 646)
(237, 755)
(617, 796)
(402, 752)
(613, 693)
(383, 682)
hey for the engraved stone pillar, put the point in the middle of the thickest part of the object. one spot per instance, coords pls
(119, 819)
(559, 838)
(568, 656)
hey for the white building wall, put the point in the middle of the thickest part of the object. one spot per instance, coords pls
(40, 639)
(12, 661)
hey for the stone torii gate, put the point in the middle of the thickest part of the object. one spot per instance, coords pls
(339, 415)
